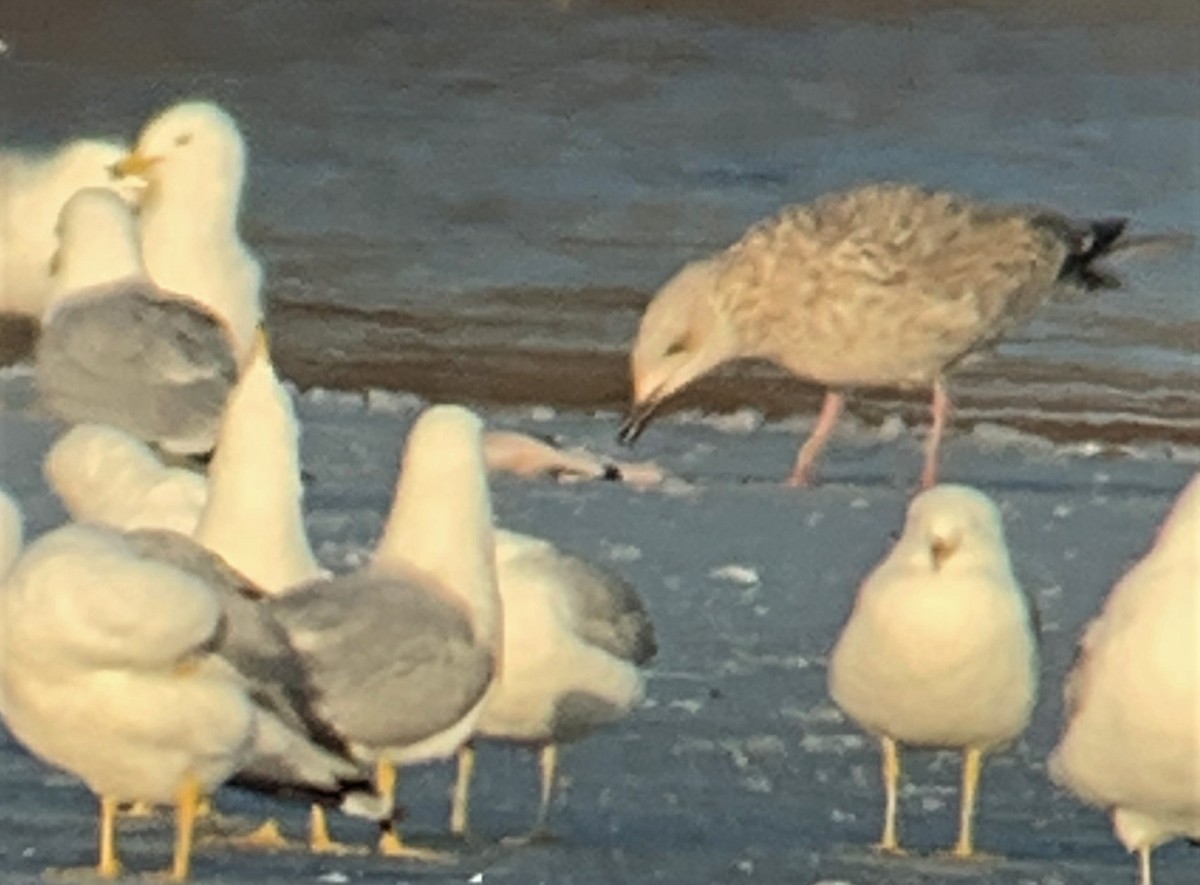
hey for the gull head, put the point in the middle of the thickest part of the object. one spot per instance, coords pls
(683, 336)
(88, 162)
(97, 241)
(192, 149)
(951, 527)
(1178, 534)
(258, 425)
(446, 440)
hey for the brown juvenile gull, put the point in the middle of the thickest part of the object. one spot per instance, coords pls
(575, 638)
(402, 653)
(886, 285)
(116, 349)
(1132, 738)
(939, 650)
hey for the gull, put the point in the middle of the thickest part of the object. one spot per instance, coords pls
(885, 285)
(108, 674)
(402, 652)
(98, 656)
(1131, 744)
(12, 542)
(12, 533)
(33, 190)
(248, 544)
(575, 636)
(939, 650)
(507, 451)
(193, 160)
(103, 475)
(116, 349)
(296, 754)
(253, 515)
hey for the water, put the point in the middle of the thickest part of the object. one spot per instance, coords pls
(473, 200)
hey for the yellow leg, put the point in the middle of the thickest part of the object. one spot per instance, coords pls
(187, 801)
(1144, 864)
(390, 843)
(548, 763)
(972, 766)
(461, 802)
(267, 836)
(889, 844)
(319, 841)
(109, 867)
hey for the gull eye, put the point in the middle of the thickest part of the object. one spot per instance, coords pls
(181, 140)
(677, 347)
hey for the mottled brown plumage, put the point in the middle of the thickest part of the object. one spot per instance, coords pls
(886, 285)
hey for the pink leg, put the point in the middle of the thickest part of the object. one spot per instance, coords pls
(831, 408)
(940, 410)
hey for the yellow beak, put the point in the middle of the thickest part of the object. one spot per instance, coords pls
(941, 549)
(134, 164)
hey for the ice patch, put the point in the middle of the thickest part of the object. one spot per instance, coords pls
(822, 713)
(542, 414)
(757, 783)
(16, 371)
(621, 552)
(736, 574)
(345, 400)
(335, 878)
(839, 744)
(389, 402)
(990, 435)
(892, 428)
(741, 422)
(674, 487)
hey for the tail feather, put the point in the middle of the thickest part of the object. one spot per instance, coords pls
(1087, 242)
(357, 798)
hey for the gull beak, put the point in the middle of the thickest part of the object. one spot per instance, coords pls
(635, 422)
(133, 164)
(941, 549)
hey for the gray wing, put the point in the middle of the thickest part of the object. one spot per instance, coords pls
(611, 614)
(154, 366)
(392, 661)
(252, 640)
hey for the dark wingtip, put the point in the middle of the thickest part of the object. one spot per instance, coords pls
(1103, 236)
(1088, 243)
